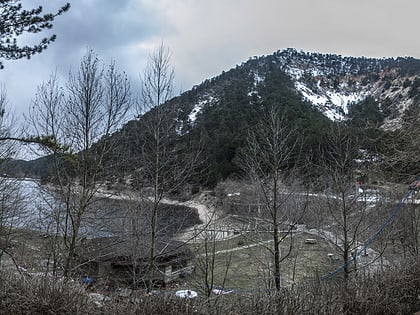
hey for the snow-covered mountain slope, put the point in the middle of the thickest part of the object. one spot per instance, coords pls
(333, 83)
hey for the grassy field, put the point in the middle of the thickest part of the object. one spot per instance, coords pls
(244, 262)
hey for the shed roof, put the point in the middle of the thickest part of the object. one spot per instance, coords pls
(121, 249)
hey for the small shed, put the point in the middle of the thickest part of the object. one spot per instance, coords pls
(125, 261)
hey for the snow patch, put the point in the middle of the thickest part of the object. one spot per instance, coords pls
(333, 104)
(295, 73)
(257, 80)
(192, 117)
(332, 83)
(195, 111)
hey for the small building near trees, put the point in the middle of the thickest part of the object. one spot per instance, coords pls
(125, 262)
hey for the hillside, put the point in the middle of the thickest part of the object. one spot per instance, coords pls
(333, 83)
(21, 168)
(330, 83)
(312, 90)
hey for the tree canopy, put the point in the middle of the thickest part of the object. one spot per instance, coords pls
(16, 21)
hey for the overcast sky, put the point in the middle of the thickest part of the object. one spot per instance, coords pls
(209, 36)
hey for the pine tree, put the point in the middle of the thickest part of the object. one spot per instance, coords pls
(16, 21)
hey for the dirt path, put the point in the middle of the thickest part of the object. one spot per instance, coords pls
(206, 213)
(235, 249)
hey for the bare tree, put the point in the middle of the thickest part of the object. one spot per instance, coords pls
(408, 227)
(12, 209)
(79, 119)
(345, 207)
(164, 165)
(267, 159)
(401, 160)
(6, 127)
(212, 271)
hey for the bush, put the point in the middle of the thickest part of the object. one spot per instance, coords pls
(395, 291)
(167, 304)
(42, 295)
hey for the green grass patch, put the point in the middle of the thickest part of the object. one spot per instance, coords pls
(246, 262)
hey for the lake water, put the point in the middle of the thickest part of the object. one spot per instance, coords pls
(40, 210)
(26, 203)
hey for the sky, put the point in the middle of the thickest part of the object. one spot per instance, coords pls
(206, 37)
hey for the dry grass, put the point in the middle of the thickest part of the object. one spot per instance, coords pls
(41, 295)
(393, 292)
(242, 263)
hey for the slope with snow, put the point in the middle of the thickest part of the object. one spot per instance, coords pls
(333, 83)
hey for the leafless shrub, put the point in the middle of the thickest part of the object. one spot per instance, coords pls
(158, 304)
(395, 291)
(42, 295)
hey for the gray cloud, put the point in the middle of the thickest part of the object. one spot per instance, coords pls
(207, 37)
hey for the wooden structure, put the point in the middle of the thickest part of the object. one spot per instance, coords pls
(125, 262)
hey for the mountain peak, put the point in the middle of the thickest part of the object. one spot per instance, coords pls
(333, 83)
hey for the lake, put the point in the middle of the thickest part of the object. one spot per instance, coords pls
(38, 208)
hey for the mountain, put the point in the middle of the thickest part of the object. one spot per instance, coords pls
(312, 90)
(330, 83)
(220, 111)
(22, 169)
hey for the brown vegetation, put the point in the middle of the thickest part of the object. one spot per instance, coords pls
(395, 291)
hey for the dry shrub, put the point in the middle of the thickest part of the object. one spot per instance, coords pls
(306, 300)
(160, 304)
(41, 295)
(395, 291)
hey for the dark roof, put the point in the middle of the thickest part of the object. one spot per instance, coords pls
(118, 249)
